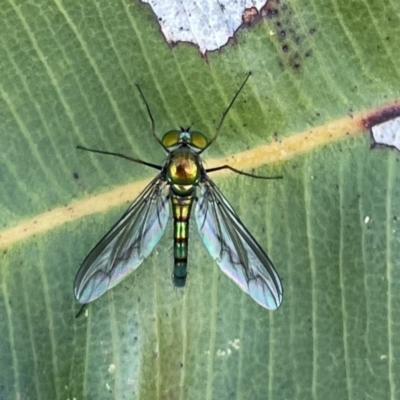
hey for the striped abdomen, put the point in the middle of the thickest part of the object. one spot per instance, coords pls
(181, 209)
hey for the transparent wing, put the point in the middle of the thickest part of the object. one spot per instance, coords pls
(126, 245)
(236, 252)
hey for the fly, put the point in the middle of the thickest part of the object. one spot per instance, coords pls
(184, 183)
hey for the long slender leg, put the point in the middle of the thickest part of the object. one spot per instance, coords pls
(226, 112)
(153, 125)
(242, 173)
(155, 166)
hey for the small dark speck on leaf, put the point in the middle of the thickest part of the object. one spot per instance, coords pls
(272, 13)
(75, 175)
(285, 48)
(312, 31)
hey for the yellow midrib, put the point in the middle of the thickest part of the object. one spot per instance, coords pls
(272, 153)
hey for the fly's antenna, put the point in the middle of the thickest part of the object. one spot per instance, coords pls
(153, 125)
(212, 140)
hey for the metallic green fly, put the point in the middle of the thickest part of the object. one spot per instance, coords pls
(181, 181)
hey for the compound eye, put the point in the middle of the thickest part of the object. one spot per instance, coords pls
(171, 138)
(198, 140)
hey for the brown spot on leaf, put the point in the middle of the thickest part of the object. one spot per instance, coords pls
(383, 115)
(250, 16)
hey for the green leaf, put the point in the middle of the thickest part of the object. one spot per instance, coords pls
(68, 75)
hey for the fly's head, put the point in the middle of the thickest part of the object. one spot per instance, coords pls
(184, 137)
